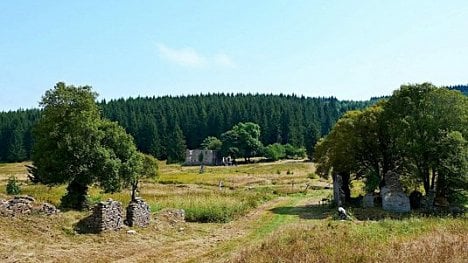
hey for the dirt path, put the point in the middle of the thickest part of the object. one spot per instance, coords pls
(44, 239)
(223, 241)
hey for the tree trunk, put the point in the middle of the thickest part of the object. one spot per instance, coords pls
(76, 196)
(134, 189)
(345, 186)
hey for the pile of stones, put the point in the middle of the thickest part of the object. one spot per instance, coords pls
(25, 205)
(138, 213)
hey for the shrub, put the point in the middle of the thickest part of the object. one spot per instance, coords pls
(294, 152)
(12, 187)
(275, 152)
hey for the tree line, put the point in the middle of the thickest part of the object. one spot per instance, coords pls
(161, 126)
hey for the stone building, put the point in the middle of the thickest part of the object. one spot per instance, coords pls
(208, 157)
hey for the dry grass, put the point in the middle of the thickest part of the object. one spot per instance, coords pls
(418, 240)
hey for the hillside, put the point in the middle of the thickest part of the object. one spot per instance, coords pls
(299, 121)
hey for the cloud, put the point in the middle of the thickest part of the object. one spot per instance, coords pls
(223, 60)
(189, 57)
(184, 57)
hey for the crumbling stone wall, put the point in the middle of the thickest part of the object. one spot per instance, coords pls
(138, 213)
(106, 216)
(25, 205)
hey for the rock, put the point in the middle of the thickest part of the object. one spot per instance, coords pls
(368, 200)
(394, 201)
(138, 213)
(131, 232)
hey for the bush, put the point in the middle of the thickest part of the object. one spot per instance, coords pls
(12, 187)
(294, 152)
(275, 152)
(313, 176)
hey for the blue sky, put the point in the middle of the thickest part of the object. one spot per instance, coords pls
(346, 49)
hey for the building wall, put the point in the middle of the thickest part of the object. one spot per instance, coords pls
(210, 157)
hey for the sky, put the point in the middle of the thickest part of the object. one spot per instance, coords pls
(346, 49)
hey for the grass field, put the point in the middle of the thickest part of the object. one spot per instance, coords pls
(262, 214)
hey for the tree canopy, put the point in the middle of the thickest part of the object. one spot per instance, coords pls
(242, 141)
(413, 133)
(74, 145)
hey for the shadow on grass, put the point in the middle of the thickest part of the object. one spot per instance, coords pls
(82, 227)
(305, 212)
(325, 211)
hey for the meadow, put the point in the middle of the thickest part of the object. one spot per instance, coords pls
(265, 212)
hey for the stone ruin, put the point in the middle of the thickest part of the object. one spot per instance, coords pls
(106, 215)
(138, 213)
(109, 215)
(393, 197)
(25, 205)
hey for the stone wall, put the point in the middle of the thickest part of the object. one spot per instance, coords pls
(138, 213)
(210, 157)
(106, 216)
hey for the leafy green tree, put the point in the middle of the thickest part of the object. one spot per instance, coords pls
(74, 145)
(242, 140)
(148, 169)
(211, 143)
(419, 117)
